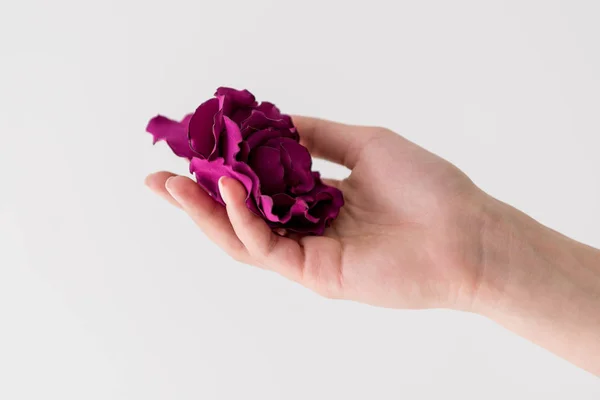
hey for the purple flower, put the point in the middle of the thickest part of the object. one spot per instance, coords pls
(233, 135)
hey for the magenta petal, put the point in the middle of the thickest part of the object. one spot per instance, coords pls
(254, 194)
(299, 154)
(261, 137)
(272, 112)
(297, 163)
(235, 104)
(186, 121)
(324, 203)
(208, 174)
(173, 132)
(269, 109)
(265, 162)
(282, 204)
(239, 115)
(327, 202)
(229, 142)
(281, 208)
(237, 97)
(201, 134)
(266, 205)
(244, 152)
(258, 121)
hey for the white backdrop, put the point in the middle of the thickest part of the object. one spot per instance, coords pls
(107, 292)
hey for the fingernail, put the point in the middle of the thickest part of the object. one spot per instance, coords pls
(173, 193)
(222, 183)
(281, 231)
(167, 184)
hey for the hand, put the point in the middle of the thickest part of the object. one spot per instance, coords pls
(415, 232)
(409, 235)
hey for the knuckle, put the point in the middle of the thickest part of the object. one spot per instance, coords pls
(267, 249)
(238, 257)
(238, 253)
(328, 292)
(382, 131)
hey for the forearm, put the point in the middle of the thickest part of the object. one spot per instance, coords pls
(541, 285)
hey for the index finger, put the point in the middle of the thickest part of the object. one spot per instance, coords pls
(333, 141)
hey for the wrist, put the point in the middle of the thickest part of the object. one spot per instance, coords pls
(539, 284)
(522, 259)
(515, 258)
(503, 247)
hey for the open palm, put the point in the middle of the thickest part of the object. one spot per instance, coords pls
(407, 237)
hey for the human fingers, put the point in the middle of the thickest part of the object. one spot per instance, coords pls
(333, 141)
(156, 183)
(209, 215)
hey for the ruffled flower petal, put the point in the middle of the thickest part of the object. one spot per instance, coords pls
(235, 98)
(235, 104)
(265, 162)
(230, 140)
(259, 138)
(258, 121)
(208, 172)
(272, 112)
(202, 135)
(325, 203)
(280, 208)
(297, 163)
(172, 132)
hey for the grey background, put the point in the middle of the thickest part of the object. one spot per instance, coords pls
(107, 292)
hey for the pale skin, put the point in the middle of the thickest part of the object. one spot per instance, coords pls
(415, 232)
